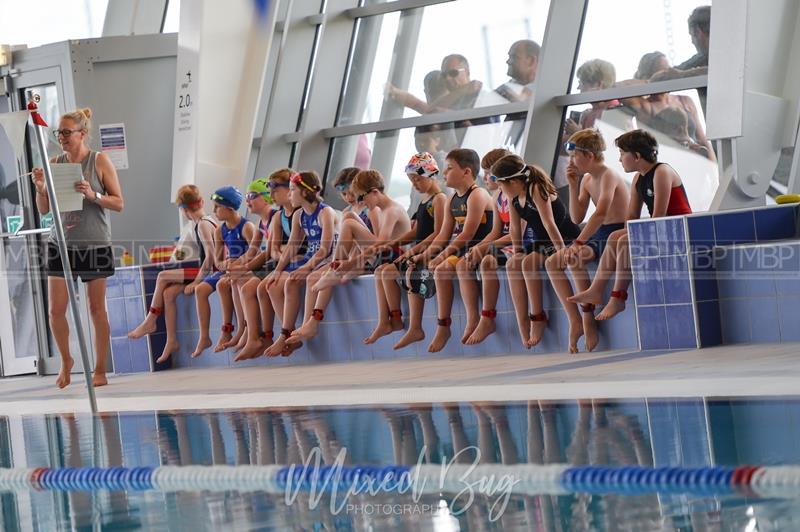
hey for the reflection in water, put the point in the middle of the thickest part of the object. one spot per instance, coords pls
(692, 433)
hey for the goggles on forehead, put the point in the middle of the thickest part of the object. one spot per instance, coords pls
(571, 146)
(273, 185)
(522, 174)
(298, 180)
(341, 188)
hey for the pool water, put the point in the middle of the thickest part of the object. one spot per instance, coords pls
(687, 432)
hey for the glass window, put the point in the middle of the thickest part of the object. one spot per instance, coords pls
(675, 120)
(655, 37)
(389, 151)
(173, 17)
(443, 57)
(37, 22)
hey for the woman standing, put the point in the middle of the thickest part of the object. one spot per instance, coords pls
(88, 239)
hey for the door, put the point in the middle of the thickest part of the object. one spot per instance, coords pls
(27, 345)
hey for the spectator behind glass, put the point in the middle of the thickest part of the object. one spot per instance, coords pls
(523, 60)
(593, 75)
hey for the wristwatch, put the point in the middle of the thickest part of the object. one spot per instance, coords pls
(97, 197)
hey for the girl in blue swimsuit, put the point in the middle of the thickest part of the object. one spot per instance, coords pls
(318, 223)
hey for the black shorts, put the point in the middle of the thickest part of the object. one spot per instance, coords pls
(88, 264)
(266, 269)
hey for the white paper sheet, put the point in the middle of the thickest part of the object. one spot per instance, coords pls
(65, 175)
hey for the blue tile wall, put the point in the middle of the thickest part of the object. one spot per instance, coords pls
(735, 318)
(734, 228)
(705, 276)
(643, 238)
(709, 324)
(764, 322)
(647, 281)
(680, 326)
(789, 318)
(653, 328)
(675, 278)
(671, 236)
(777, 223)
(701, 232)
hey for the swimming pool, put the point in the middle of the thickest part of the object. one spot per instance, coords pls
(693, 433)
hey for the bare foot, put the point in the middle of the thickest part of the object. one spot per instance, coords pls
(575, 332)
(277, 347)
(468, 330)
(224, 339)
(169, 348)
(305, 332)
(328, 280)
(63, 379)
(202, 344)
(380, 331)
(241, 343)
(591, 295)
(99, 379)
(241, 333)
(439, 339)
(524, 332)
(252, 349)
(614, 306)
(486, 326)
(590, 329)
(411, 336)
(148, 326)
(537, 332)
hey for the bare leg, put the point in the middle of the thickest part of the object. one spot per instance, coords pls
(387, 322)
(165, 279)
(556, 264)
(531, 270)
(415, 332)
(468, 285)
(353, 233)
(519, 295)
(59, 325)
(226, 302)
(491, 287)
(315, 300)
(96, 293)
(255, 342)
(241, 321)
(581, 278)
(616, 304)
(443, 277)
(291, 305)
(201, 294)
(617, 244)
(170, 317)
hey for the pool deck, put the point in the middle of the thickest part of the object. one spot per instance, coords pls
(743, 370)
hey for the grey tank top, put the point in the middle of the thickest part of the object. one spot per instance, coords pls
(88, 227)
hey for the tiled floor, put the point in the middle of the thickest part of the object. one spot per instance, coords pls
(724, 371)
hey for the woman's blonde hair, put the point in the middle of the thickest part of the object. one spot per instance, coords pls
(82, 117)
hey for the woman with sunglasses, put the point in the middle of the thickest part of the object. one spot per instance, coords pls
(258, 307)
(241, 271)
(391, 223)
(171, 283)
(487, 256)
(534, 202)
(88, 240)
(319, 224)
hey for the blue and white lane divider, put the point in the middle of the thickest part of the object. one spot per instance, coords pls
(522, 479)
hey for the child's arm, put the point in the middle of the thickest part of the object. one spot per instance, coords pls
(289, 251)
(607, 189)
(662, 189)
(578, 196)
(327, 219)
(635, 203)
(439, 214)
(383, 240)
(476, 207)
(515, 231)
(438, 243)
(545, 208)
(254, 238)
(479, 250)
(207, 233)
(274, 242)
(219, 247)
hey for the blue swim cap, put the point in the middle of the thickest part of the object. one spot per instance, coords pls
(228, 197)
